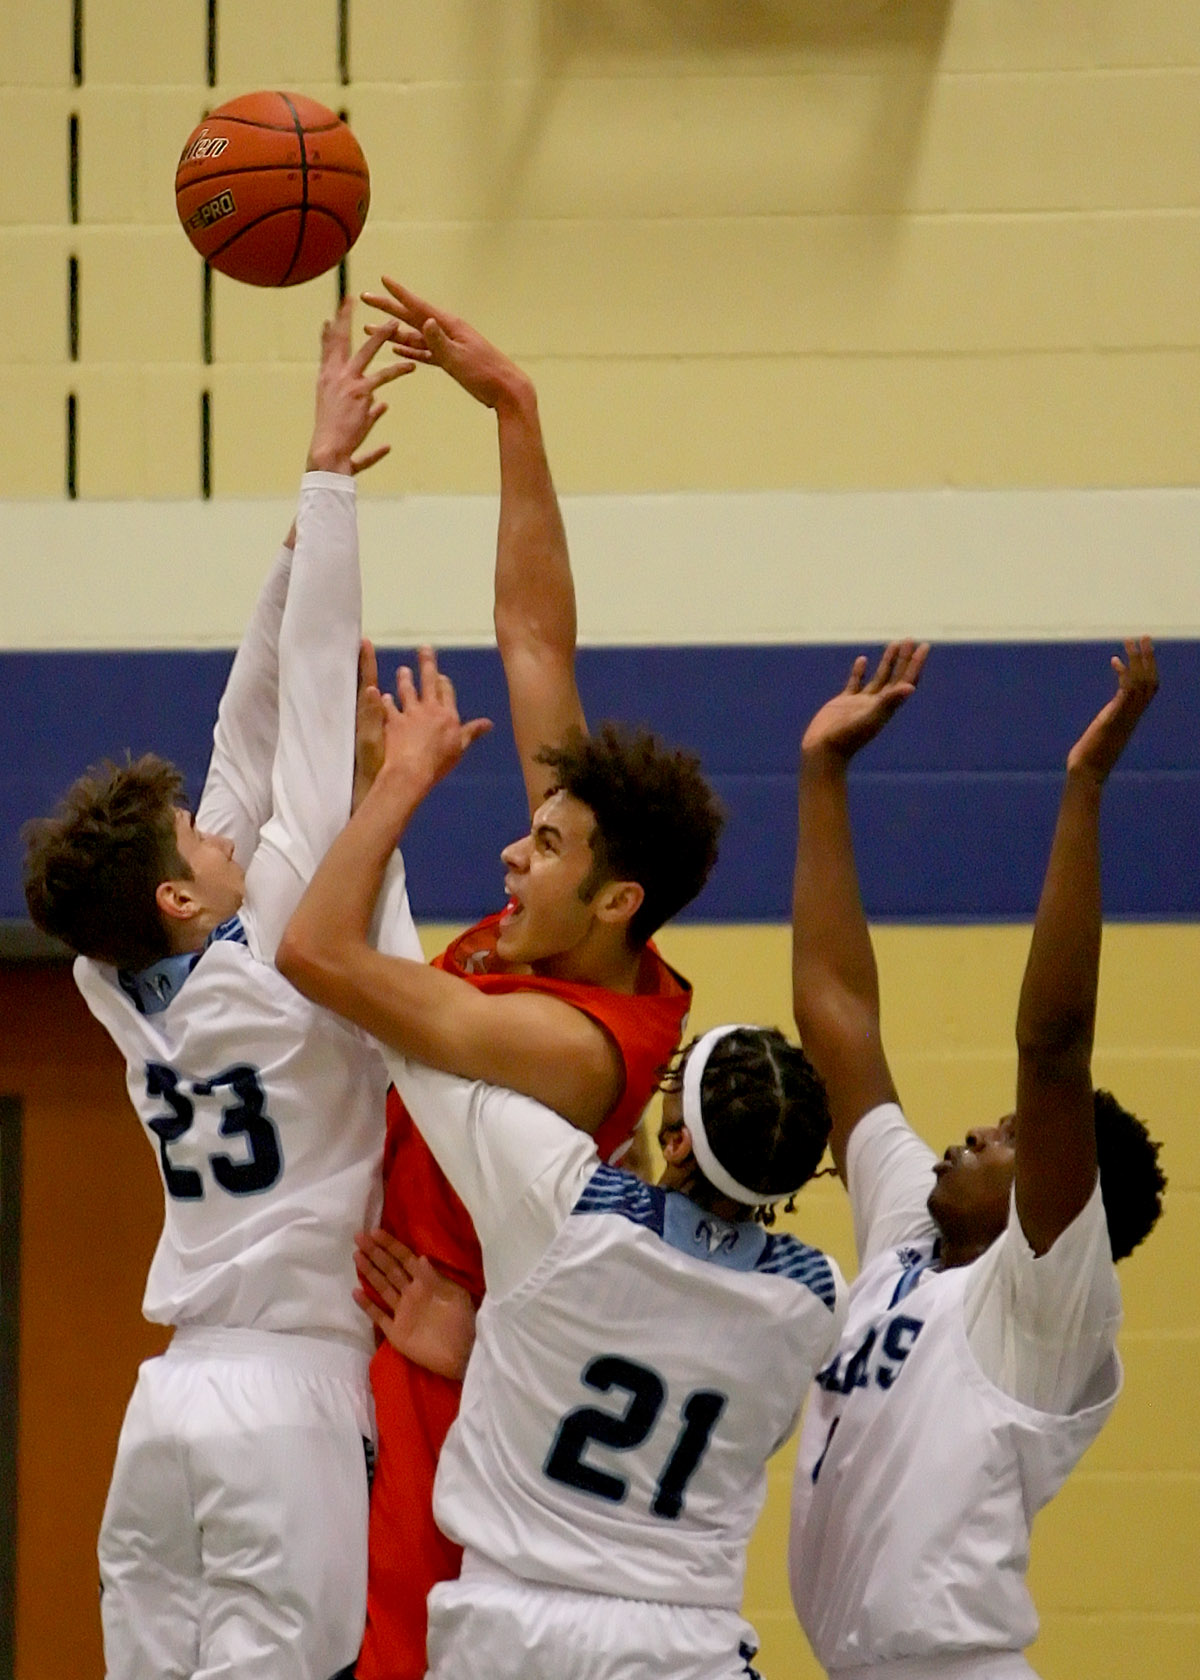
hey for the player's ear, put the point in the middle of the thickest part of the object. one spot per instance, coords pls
(177, 900)
(676, 1145)
(619, 901)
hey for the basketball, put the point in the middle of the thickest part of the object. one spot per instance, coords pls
(272, 189)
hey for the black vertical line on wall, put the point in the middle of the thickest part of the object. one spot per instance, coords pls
(73, 167)
(343, 273)
(343, 41)
(73, 307)
(206, 445)
(77, 42)
(72, 446)
(10, 1329)
(206, 317)
(211, 66)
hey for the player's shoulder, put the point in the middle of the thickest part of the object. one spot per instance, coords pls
(787, 1256)
(703, 1237)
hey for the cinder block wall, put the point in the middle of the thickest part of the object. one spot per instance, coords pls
(743, 249)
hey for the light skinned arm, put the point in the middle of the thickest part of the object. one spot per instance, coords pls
(835, 984)
(534, 591)
(425, 1316)
(528, 1042)
(319, 639)
(236, 800)
(1055, 1127)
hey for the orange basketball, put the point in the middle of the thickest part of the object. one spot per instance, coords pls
(272, 189)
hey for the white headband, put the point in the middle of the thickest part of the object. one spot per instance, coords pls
(693, 1119)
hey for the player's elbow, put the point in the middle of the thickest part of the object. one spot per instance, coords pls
(1062, 1037)
(302, 960)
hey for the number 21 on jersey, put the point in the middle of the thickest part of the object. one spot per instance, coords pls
(622, 1431)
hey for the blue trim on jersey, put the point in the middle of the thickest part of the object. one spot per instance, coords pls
(692, 1230)
(611, 1191)
(152, 989)
(789, 1257)
(914, 1263)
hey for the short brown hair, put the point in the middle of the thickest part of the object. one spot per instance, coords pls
(657, 819)
(93, 868)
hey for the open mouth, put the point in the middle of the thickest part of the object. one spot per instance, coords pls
(510, 912)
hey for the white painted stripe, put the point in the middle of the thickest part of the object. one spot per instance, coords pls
(705, 568)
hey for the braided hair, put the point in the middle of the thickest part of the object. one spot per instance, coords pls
(766, 1114)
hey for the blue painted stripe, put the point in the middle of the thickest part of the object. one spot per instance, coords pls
(954, 805)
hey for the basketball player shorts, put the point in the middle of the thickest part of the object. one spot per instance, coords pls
(489, 1625)
(952, 1665)
(234, 1539)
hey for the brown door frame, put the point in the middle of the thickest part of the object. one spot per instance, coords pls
(10, 1324)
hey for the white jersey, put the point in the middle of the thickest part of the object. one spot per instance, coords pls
(266, 1113)
(922, 1460)
(626, 1390)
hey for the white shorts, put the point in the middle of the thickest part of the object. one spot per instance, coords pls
(971, 1665)
(489, 1625)
(234, 1539)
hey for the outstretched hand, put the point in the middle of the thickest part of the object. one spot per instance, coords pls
(423, 735)
(346, 396)
(1105, 738)
(424, 332)
(425, 1316)
(856, 715)
(368, 725)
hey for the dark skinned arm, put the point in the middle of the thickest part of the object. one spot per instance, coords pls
(1056, 1016)
(835, 984)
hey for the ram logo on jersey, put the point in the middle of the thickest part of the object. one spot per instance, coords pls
(719, 1236)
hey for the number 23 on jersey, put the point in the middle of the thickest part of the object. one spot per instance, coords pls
(239, 1094)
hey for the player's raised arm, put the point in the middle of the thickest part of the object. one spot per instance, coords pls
(535, 595)
(319, 636)
(236, 801)
(1055, 1127)
(835, 986)
(525, 1041)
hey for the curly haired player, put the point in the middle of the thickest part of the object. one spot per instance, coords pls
(978, 1359)
(608, 1461)
(568, 1001)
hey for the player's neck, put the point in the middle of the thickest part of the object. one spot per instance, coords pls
(190, 935)
(961, 1251)
(601, 959)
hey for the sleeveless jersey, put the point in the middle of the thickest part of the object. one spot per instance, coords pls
(917, 1478)
(621, 1402)
(415, 1408)
(420, 1205)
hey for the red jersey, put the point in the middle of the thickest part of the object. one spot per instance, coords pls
(414, 1408)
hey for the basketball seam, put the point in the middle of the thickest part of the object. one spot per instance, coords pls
(299, 126)
(274, 128)
(270, 168)
(286, 210)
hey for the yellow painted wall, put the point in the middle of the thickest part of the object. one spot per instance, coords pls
(824, 242)
(842, 244)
